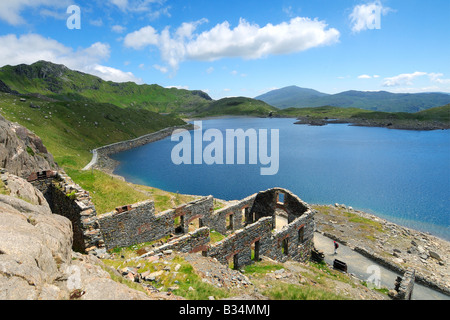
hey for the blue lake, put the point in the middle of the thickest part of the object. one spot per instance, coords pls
(402, 176)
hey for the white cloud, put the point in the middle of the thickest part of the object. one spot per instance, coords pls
(250, 41)
(118, 28)
(141, 38)
(153, 9)
(111, 74)
(366, 76)
(430, 82)
(365, 16)
(436, 77)
(30, 48)
(121, 4)
(247, 41)
(10, 10)
(161, 68)
(210, 70)
(402, 79)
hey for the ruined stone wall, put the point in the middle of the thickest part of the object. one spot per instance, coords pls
(191, 242)
(201, 209)
(237, 246)
(71, 201)
(234, 214)
(404, 287)
(295, 241)
(139, 222)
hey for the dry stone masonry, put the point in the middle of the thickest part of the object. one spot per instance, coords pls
(69, 200)
(249, 224)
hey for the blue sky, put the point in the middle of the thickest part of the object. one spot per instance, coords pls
(239, 48)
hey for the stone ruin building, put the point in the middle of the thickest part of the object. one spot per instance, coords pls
(274, 223)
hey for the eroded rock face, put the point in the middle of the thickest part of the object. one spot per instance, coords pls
(21, 151)
(36, 257)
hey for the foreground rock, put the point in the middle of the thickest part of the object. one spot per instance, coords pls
(36, 259)
(21, 151)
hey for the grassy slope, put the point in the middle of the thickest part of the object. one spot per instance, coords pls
(61, 83)
(70, 137)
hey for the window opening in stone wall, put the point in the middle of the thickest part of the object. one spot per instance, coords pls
(255, 251)
(301, 234)
(280, 198)
(229, 222)
(195, 224)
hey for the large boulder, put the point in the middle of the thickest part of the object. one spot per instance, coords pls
(21, 151)
(36, 257)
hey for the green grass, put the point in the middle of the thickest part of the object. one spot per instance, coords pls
(363, 221)
(3, 189)
(262, 268)
(216, 236)
(285, 291)
(323, 112)
(106, 192)
(189, 283)
(236, 106)
(70, 131)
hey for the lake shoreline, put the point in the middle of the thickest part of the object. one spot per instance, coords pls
(381, 123)
(363, 245)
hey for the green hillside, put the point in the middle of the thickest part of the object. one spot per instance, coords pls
(237, 106)
(71, 129)
(59, 82)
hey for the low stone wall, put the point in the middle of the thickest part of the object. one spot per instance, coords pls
(404, 286)
(101, 155)
(195, 241)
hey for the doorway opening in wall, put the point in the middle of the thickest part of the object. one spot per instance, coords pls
(233, 262)
(285, 246)
(245, 216)
(179, 224)
(255, 251)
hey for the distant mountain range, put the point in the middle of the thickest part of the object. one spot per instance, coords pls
(296, 97)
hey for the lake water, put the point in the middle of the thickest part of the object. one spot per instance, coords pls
(402, 176)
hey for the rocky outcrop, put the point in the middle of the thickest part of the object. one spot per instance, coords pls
(36, 257)
(21, 151)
